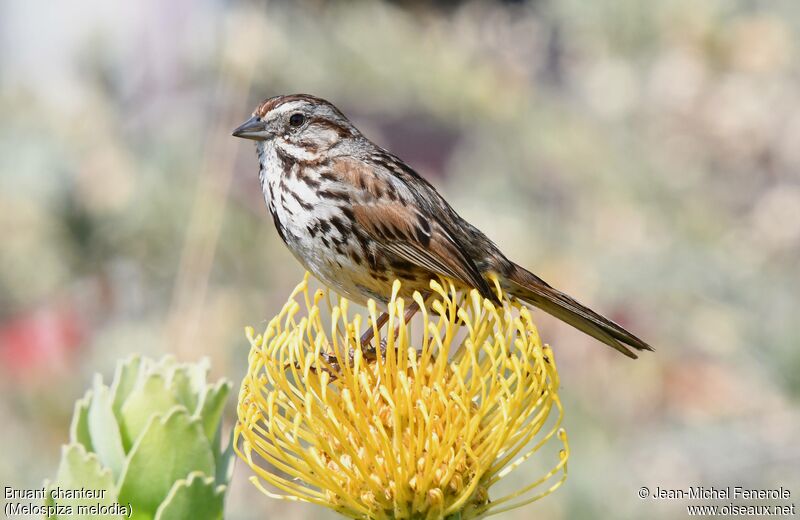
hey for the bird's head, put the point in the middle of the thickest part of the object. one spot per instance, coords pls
(297, 120)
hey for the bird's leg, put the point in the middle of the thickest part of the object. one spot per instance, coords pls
(332, 361)
(368, 334)
(367, 347)
(366, 339)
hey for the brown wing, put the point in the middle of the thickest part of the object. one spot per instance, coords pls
(405, 232)
(394, 208)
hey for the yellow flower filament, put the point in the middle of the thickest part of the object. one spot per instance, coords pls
(422, 432)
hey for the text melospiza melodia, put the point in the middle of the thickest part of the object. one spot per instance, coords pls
(358, 217)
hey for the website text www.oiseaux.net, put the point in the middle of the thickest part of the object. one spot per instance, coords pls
(728, 494)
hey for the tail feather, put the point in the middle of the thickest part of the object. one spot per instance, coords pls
(528, 287)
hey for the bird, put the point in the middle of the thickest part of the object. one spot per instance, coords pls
(358, 217)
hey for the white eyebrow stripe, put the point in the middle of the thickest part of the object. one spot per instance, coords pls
(287, 107)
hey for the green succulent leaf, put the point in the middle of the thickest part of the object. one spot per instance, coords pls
(125, 378)
(166, 417)
(181, 388)
(79, 428)
(198, 375)
(224, 459)
(150, 396)
(212, 405)
(103, 428)
(48, 498)
(197, 497)
(170, 448)
(81, 469)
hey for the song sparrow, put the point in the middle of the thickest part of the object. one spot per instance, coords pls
(358, 217)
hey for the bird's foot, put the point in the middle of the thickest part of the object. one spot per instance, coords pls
(330, 364)
(333, 365)
(371, 353)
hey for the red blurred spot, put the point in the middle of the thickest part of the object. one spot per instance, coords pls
(40, 342)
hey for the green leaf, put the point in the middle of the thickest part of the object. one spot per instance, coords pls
(212, 406)
(48, 498)
(225, 459)
(150, 396)
(80, 469)
(181, 387)
(125, 378)
(103, 428)
(79, 427)
(165, 366)
(196, 497)
(198, 374)
(170, 448)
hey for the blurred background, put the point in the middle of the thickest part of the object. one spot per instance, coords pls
(642, 156)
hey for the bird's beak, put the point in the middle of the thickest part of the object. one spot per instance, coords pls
(254, 128)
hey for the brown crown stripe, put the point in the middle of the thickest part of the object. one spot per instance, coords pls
(274, 102)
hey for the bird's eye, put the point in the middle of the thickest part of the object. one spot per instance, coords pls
(297, 119)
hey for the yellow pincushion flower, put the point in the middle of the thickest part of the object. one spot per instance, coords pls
(422, 432)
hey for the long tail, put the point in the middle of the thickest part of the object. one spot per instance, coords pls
(526, 286)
